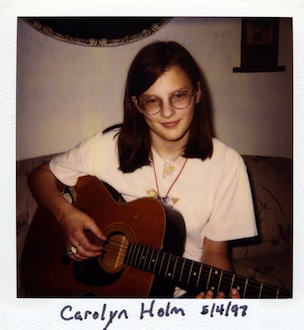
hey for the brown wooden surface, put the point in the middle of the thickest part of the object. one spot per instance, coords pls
(43, 273)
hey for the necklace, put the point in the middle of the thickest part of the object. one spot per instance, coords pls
(165, 199)
(168, 168)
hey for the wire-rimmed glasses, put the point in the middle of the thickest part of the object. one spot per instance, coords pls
(152, 105)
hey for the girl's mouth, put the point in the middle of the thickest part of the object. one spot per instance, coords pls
(170, 124)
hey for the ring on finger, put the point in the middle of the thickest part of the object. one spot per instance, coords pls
(74, 249)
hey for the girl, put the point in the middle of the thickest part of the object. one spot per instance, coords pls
(163, 149)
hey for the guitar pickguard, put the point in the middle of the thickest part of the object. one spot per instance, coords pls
(90, 273)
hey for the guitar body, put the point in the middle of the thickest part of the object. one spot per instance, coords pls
(46, 270)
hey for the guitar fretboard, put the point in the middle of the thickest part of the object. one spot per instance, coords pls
(193, 275)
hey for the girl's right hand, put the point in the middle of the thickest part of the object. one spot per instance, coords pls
(74, 224)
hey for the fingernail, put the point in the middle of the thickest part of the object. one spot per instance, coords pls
(234, 291)
(200, 295)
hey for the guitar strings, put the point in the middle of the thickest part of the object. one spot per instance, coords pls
(225, 280)
(115, 246)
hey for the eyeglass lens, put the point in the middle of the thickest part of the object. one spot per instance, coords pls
(179, 100)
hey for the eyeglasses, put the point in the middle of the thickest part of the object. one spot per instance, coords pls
(152, 105)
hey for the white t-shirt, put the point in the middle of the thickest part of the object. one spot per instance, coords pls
(213, 195)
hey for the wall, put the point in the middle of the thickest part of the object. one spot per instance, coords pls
(66, 93)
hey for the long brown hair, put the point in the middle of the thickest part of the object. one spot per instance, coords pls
(134, 144)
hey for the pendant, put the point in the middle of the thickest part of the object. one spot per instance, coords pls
(166, 200)
(168, 169)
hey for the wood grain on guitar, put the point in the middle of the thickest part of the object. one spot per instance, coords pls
(142, 256)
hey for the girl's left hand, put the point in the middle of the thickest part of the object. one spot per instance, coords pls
(234, 294)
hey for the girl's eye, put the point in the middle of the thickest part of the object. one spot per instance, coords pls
(180, 95)
(151, 101)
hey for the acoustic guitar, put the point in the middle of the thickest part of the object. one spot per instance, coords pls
(141, 258)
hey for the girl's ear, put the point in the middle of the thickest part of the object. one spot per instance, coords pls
(198, 93)
(135, 101)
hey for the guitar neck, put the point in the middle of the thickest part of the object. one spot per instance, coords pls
(196, 276)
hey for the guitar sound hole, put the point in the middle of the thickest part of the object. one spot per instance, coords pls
(114, 253)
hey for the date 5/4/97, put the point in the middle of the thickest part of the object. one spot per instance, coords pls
(223, 309)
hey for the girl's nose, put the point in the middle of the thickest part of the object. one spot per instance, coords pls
(167, 109)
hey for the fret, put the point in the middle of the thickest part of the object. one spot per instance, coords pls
(148, 255)
(245, 288)
(232, 281)
(145, 257)
(181, 272)
(220, 281)
(209, 276)
(168, 264)
(153, 259)
(174, 268)
(280, 293)
(142, 257)
(190, 273)
(164, 264)
(161, 264)
(199, 275)
(156, 261)
(261, 288)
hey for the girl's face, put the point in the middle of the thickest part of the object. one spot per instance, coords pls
(170, 124)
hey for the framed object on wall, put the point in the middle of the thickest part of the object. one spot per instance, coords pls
(98, 31)
(259, 45)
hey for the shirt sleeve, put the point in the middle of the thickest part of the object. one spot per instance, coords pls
(233, 212)
(81, 160)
